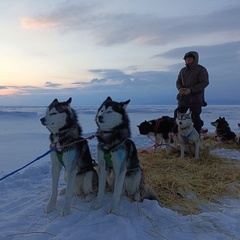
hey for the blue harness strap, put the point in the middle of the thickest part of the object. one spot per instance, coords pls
(45, 154)
(186, 138)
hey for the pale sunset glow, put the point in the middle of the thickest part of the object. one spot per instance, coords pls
(29, 23)
(90, 50)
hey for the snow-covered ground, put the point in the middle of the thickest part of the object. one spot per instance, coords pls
(24, 194)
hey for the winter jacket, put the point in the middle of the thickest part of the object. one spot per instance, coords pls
(194, 77)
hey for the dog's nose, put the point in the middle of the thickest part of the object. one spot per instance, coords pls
(43, 120)
(100, 119)
(180, 123)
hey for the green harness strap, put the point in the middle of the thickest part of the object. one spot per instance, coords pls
(60, 156)
(108, 157)
(107, 154)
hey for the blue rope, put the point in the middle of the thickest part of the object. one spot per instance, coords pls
(45, 154)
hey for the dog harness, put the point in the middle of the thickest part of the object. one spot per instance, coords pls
(87, 168)
(186, 138)
(108, 159)
(107, 154)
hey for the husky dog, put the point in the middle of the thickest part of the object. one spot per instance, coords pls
(187, 135)
(163, 128)
(72, 152)
(117, 154)
(223, 131)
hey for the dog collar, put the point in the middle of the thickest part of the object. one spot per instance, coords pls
(184, 128)
(102, 132)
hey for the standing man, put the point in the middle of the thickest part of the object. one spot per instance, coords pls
(191, 82)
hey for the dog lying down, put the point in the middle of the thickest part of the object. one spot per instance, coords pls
(187, 135)
(117, 155)
(223, 131)
(162, 129)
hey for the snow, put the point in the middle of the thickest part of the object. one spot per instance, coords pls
(24, 194)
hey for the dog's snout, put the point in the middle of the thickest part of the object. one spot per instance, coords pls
(100, 119)
(43, 120)
(180, 123)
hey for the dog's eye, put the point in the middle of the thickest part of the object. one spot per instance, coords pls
(109, 111)
(51, 114)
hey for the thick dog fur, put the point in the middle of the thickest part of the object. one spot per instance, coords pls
(187, 135)
(163, 128)
(223, 131)
(113, 142)
(65, 133)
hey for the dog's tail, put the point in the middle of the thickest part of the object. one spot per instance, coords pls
(147, 192)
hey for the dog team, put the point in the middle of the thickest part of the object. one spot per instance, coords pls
(118, 167)
(118, 163)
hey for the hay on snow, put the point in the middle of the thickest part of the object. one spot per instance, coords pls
(189, 185)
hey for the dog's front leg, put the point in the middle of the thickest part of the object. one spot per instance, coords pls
(197, 149)
(69, 159)
(102, 180)
(182, 147)
(56, 168)
(167, 142)
(119, 168)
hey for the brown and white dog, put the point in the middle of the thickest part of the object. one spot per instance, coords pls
(223, 131)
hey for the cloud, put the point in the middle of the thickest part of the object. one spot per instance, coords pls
(52, 85)
(109, 28)
(3, 87)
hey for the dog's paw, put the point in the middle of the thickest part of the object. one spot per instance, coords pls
(97, 205)
(62, 191)
(137, 197)
(50, 206)
(89, 197)
(65, 212)
(112, 211)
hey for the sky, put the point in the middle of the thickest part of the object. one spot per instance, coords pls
(89, 50)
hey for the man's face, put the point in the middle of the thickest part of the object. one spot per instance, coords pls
(189, 60)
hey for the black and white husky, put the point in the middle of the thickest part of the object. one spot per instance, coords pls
(223, 131)
(187, 135)
(72, 153)
(118, 154)
(163, 128)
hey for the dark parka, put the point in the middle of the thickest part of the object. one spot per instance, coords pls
(194, 77)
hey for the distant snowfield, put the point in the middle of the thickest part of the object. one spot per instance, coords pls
(24, 195)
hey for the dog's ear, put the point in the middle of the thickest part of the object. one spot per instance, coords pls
(69, 101)
(55, 100)
(108, 99)
(124, 104)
